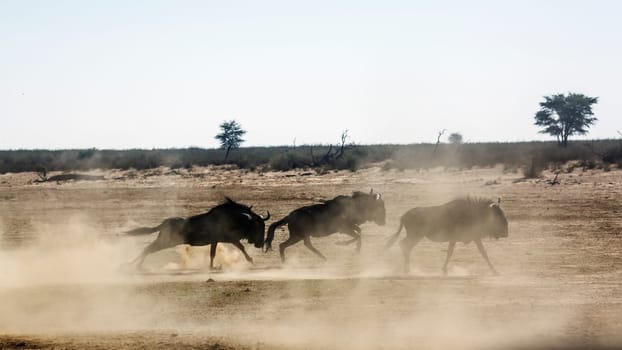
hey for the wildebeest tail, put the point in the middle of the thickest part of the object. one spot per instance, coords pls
(271, 229)
(143, 230)
(395, 236)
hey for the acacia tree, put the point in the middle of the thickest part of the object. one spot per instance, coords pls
(230, 136)
(455, 138)
(565, 115)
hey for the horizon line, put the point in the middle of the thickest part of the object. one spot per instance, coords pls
(296, 146)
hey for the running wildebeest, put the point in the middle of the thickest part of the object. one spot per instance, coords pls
(341, 214)
(461, 220)
(228, 222)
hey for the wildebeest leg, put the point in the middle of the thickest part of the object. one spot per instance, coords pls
(357, 237)
(450, 251)
(241, 247)
(312, 248)
(407, 245)
(212, 254)
(355, 232)
(348, 241)
(290, 241)
(482, 251)
(151, 248)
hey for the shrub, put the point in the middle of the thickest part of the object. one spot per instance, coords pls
(415, 156)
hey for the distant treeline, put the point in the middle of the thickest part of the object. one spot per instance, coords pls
(321, 157)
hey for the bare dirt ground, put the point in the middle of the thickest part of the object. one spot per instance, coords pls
(63, 284)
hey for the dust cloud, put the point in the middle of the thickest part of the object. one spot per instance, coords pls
(73, 280)
(437, 327)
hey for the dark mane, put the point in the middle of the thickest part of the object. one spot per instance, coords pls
(355, 195)
(229, 203)
(475, 201)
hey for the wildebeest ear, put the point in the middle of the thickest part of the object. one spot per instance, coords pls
(247, 215)
(372, 191)
(498, 200)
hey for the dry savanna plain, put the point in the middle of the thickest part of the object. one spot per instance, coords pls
(64, 282)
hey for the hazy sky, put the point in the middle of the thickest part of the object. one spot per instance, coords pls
(126, 74)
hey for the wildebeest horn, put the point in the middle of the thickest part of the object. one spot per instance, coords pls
(267, 217)
(248, 216)
(378, 196)
(498, 200)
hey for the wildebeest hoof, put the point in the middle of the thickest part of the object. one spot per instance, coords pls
(215, 268)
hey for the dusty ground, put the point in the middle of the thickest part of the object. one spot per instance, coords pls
(63, 285)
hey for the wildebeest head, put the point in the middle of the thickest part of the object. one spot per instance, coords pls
(372, 205)
(249, 224)
(256, 227)
(497, 223)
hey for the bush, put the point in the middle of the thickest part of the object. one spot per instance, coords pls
(613, 154)
(415, 156)
(286, 161)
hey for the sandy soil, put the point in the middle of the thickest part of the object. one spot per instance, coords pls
(63, 283)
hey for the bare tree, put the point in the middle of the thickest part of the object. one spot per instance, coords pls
(343, 146)
(332, 153)
(438, 139)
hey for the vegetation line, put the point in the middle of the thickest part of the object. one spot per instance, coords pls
(533, 156)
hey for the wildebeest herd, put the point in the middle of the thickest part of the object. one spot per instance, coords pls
(461, 220)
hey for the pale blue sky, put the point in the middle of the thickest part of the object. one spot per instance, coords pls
(125, 74)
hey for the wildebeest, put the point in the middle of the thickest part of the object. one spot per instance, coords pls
(341, 214)
(461, 220)
(228, 222)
